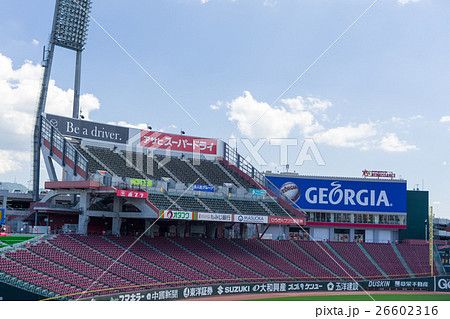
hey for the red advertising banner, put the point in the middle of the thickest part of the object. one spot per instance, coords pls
(133, 194)
(286, 221)
(180, 143)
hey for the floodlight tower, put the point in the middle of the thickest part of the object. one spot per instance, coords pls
(69, 30)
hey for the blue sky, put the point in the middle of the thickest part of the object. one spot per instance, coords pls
(376, 100)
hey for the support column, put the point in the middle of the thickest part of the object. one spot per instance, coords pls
(243, 231)
(181, 228)
(83, 221)
(116, 223)
(352, 234)
(76, 89)
(210, 230)
(149, 232)
(5, 200)
(83, 218)
(117, 204)
(220, 230)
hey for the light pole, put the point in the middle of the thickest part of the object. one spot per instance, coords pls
(69, 30)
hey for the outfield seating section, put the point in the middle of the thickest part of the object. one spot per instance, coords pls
(68, 265)
(200, 171)
(416, 256)
(357, 259)
(217, 205)
(387, 259)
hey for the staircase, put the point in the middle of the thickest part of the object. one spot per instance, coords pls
(198, 256)
(373, 261)
(438, 262)
(287, 260)
(196, 171)
(229, 174)
(228, 257)
(266, 208)
(257, 257)
(402, 260)
(144, 259)
(173, 202)
(342, 259)
(109, 170)
(312, 257)
(203, 204)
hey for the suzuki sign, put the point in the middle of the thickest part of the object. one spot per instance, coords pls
(343, 195)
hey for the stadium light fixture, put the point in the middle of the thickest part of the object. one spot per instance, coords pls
(71, 23)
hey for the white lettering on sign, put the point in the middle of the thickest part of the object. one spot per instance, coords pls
(336, 195)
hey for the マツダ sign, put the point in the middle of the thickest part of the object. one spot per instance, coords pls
(89, 130)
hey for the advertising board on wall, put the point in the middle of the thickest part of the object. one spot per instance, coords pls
(343, 195)
(203, 188)
(90, 130)
(212, 217)
(172, 214)
(132, 194)
(251, 219)
(174, 293)
(378, 174)
(141, 182)
(123, 135)
(181, 143)
(286, 220)
(258, 192)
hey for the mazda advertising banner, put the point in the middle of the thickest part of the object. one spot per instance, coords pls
(90, 130)
(343, 195)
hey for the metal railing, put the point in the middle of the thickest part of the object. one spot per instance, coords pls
(59, 142)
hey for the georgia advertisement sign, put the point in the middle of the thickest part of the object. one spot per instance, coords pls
(342, 195)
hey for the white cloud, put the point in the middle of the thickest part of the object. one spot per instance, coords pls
(391, 143)
(140, 126)
(11, 161)
(216, 106)
(270, 3)
(347, 136)
(259, 119)
(403, 2)
(35, 42)
(445, 119)
(19, 89)
(444, 163)
(308, 117)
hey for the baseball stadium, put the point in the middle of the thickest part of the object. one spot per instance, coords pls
(142, 215)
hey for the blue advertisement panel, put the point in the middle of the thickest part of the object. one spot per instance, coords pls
(2, 216)
(258, 192)
(203, 188)
(342, 195)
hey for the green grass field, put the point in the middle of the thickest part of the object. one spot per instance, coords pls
(14, 239)
(377, 297)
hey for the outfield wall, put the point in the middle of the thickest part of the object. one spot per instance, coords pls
(441, 284)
